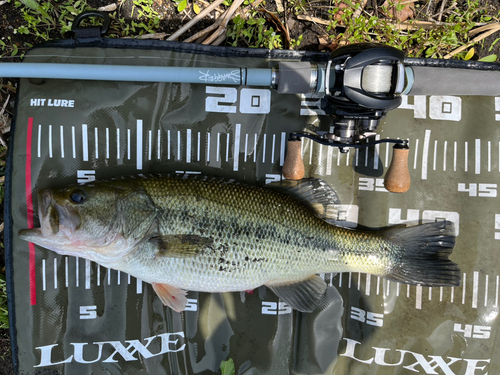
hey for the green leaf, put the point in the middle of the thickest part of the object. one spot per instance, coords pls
(32, 4)
(492, 44)
(182, 5)
(490, 58)
(196, 8)
(227, 367)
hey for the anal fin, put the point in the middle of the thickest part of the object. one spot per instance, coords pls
(301, 295)
(171, 296)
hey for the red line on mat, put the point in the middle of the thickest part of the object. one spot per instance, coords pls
(29, 206)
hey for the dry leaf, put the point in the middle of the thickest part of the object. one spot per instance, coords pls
(401, 15)
(326, 43)
(107, 8)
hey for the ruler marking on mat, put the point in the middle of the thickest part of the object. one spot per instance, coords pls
(368, 284)
(77, 273)
(62, 140)
(179, 157)
(478, 157)
(329, 156)
(486, 282)
(445, 148)
(386, 163)
(96, 141)
(98, 274)
(264, 148)
(50, 141)
(66, 271)
(378, 285)
(418, 298)
(454, 156)
(158, 146)
(118, 277)
(107, 143)
(246, 148)
(282, 148)
(188, 146)
(39, 152)
(168, 144)
(416, 154)
(425, 153)
(255, 148)
(466, 163)
(85, 143)
(44, 281)
(464, 287)
(208, 147)
(227, 146)
(128, 144)
(87, 274)
(198, 153)
(376, 155)
(139, 144)
(435, 155)
(489, 156)
(217, 150)
(475, 289)
(55, 273)
(150, 143)
(139, 286)
(496, 291)
(236, 152)
(118, 144)
(273, 148)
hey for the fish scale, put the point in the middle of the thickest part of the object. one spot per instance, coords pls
(214, 235)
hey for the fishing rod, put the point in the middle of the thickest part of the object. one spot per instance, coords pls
(358, 86)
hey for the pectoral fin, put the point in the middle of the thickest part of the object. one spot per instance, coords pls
(171, 296)
(180, 246)
(301, 295)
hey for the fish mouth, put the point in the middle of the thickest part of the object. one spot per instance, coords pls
(55, 219)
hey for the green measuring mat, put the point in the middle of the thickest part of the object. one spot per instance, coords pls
(72, 316)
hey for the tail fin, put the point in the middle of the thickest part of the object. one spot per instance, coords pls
(426, 249)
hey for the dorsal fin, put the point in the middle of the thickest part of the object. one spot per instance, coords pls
(314, 193)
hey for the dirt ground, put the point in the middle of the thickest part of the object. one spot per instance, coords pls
(11, 19)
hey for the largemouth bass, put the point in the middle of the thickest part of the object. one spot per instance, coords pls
(205, 234)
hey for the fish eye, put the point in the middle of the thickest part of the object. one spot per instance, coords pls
(78, 196)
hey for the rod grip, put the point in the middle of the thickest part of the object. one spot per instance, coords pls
(293, 167)
(397, 178)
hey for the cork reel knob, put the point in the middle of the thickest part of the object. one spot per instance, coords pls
(397, 178)
(293, 167)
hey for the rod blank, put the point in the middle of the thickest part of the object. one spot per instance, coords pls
(204, 75)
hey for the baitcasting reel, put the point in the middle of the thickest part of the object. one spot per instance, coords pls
(361, 83)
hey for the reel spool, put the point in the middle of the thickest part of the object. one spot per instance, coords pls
(362, 83)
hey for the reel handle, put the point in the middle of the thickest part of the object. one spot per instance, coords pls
(397, 178)
(293, 167)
